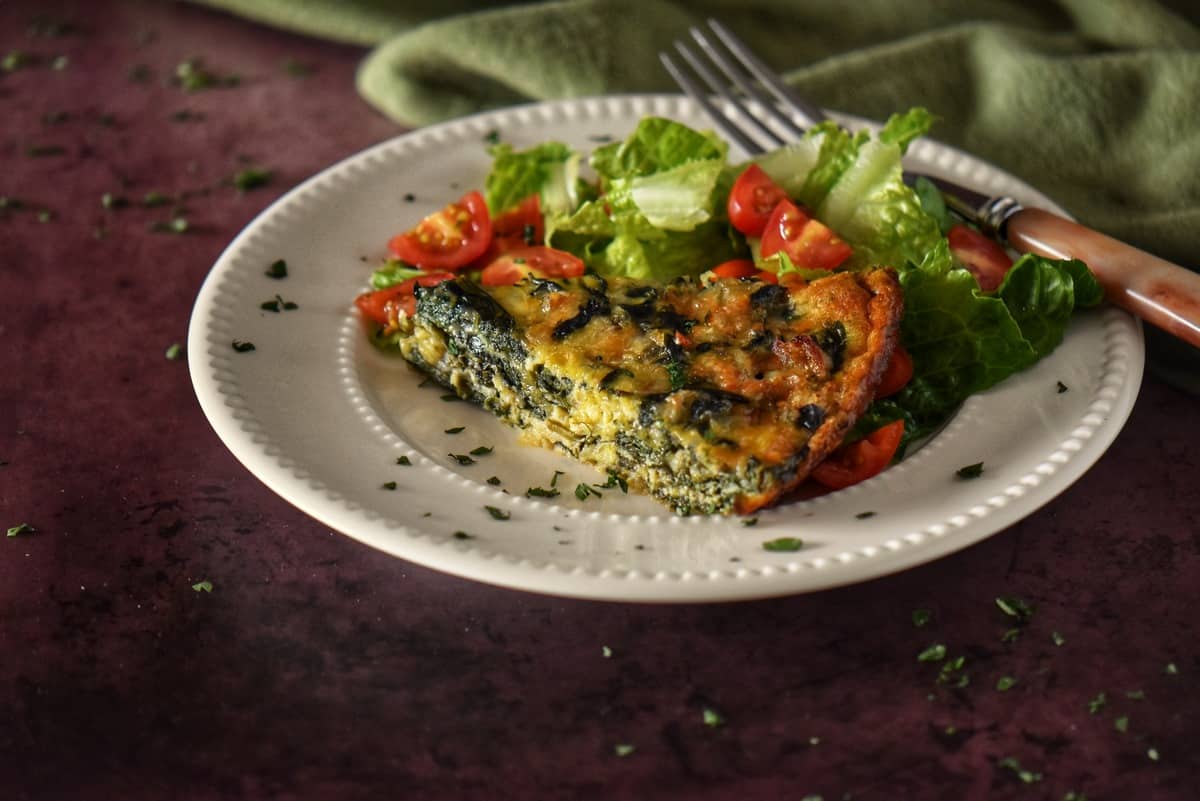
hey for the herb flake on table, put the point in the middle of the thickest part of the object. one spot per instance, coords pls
(783, 544)
(970, 471)
(153, 199)
(1057, 638)
(1171, 669)
(251, 178)
(110, 201)
(45, 151)
(176, 225)
(20, 528)
(1136, 695)
(1026, 776)
(934, 653)
(920, 617)
(174, 352)
(497, 513)
(712, 718)
(297, 69)
(193, 76)
(203, 586)
(1096, 704)
(623, 749)
(15, 60)
(1121, 724)
(1015, 607)
(1005, 683)
(606, 652)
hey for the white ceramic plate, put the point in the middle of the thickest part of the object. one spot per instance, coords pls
(321, 417)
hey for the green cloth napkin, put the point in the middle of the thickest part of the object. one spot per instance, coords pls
(1095, 102)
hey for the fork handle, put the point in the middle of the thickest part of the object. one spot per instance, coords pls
(1161, 293)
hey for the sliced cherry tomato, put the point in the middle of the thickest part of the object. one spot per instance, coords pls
(807, 242)
(898, 373)
(743, 268)
(542, 261)
(382, 305)
(448, 239)
(752, 199)
(860, 460)
(981, 255)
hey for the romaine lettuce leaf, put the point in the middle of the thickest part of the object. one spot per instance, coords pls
(549, 170)
(656, 144)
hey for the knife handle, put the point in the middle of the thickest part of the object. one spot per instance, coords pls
(1161, 293)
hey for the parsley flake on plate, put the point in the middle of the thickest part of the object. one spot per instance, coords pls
(242, 347)
(497, 513)
(783, 544)
(388, 485)
(455, 430)
(583, 492)
(539, 492)
(461, 458)
(482, 450)
(277, 269)
(404, 461)
(970, 471)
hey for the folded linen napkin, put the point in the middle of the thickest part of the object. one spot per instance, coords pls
(1095, 102)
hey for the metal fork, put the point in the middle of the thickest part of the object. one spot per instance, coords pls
(761, 112)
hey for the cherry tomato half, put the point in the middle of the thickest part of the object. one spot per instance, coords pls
(743, 268)
(981, 255)
(898, 373)
(383, 305)
(809, 243)
(517, 227)
(860, 460)
(752, 199)
(542, 261)
(448, 239)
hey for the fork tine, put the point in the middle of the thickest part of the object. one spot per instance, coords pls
(766, 75)
(752, 126)
(744, 82)
(693, 90)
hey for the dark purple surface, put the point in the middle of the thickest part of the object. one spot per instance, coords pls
(317, 668)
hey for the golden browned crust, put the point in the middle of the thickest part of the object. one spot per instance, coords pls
(870, 305)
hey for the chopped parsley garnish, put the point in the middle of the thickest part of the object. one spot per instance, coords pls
(278, 269)
(174, 352)
(388, 485)
(1005, 683)
(920, 617)
(277, 305)
(1026, 776)
(494, 481)
(176, 225)
(1015, 607)
(614, 480)
(554, 478)
(19, 529)
(45, 216)
(750, 521)
(1152, 753)
(1057, 638)
(251, 178)
(970, 471)
(203, 586)
(461, 458)
(110, 201)
(152, 199)
(623, 749)
(606, 652)
(1096, 704)
(482, 450)
(404, 460)
(193, 76)
(864, 515)
(539, 492)
(15, 60)
(1121, 724)
(783, 544)
(409, 197)
(583, 492)
(1062, 387)
(492, 137)
(949, 668)
(1010, 636)
(713, 718)
(1136, 695)
(1171, 670)
(498, 514)
(456, 430)
(242, 347)
(934, 653)
(462, 535)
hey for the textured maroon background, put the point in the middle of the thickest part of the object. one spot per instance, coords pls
(320, 669)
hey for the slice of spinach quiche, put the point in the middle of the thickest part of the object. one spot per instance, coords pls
(713, 396)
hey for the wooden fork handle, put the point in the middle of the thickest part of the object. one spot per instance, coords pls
(1161, 293)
